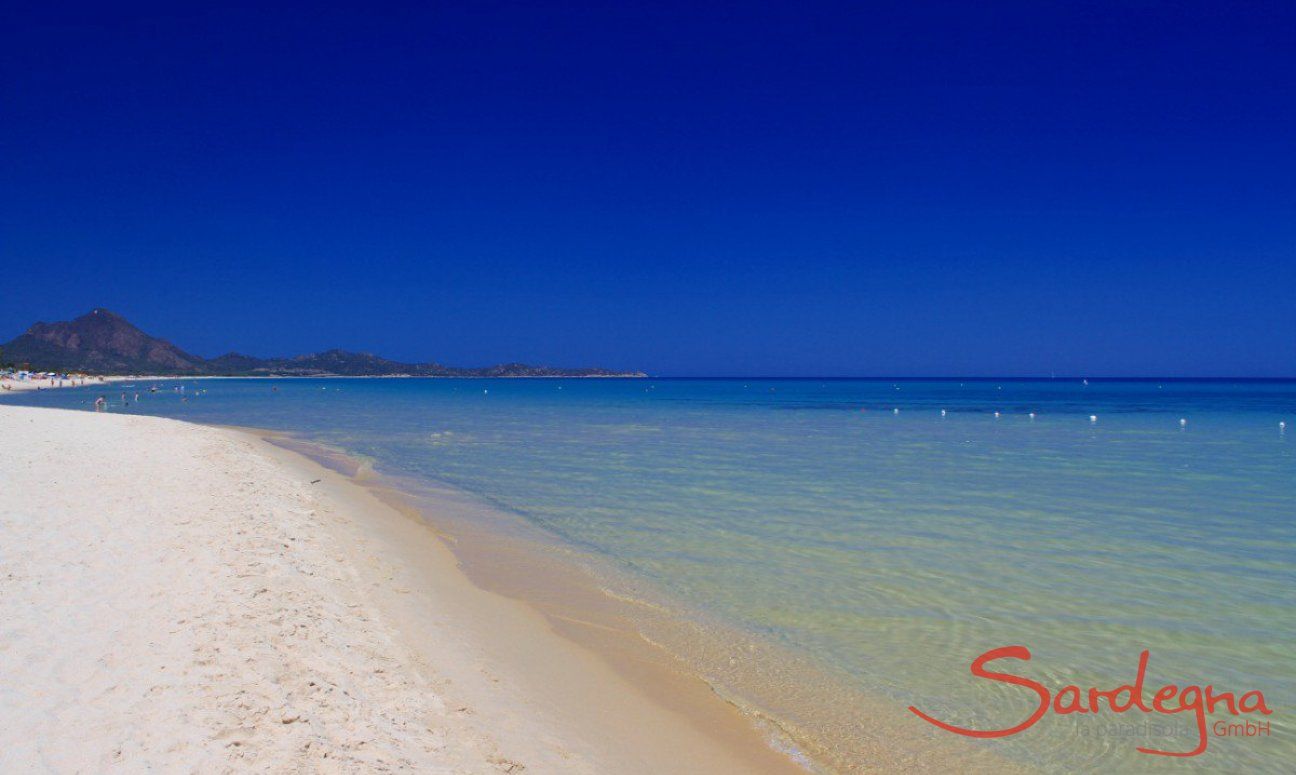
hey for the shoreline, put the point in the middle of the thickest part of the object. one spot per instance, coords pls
(682, 710)
(502, 689)
(14, 387)
(667, 651)
(22, 386)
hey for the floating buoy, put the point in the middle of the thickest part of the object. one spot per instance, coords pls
(942, 413)
(1032, 415)
(895, 411)
(1093, 418)
(1183, 421)
(996, 415)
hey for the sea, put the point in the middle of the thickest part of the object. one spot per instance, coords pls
(830, 553)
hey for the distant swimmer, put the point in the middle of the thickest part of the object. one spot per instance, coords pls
(100, 404)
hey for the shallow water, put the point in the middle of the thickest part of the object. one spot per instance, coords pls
(888, 548)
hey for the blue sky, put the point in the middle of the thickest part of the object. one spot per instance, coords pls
(756, 189)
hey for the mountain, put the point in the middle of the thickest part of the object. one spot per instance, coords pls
(102, 342)
(98, 342)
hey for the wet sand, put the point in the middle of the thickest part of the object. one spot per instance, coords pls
(722, 681)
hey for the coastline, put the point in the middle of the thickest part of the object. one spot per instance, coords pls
(302, 620)
(683, 659)
(14, 387)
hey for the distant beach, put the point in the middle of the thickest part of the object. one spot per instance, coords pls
(15, 382)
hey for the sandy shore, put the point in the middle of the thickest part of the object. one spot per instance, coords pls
(22, 386)
(180, 597)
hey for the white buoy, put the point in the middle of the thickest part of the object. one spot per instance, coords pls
(895, 411)
(1183, 421)
(1032, 415)
(1282, 426)
(1093, 418)
(996, 415)
(942, 413)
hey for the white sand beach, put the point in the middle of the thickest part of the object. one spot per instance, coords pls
(176, 597)
(11, 385)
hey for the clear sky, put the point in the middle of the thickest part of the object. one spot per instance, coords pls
(692, 189)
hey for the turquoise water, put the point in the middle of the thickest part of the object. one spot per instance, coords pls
(889, 548)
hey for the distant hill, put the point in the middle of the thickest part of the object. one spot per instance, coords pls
(102, 342)
(99, 342)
